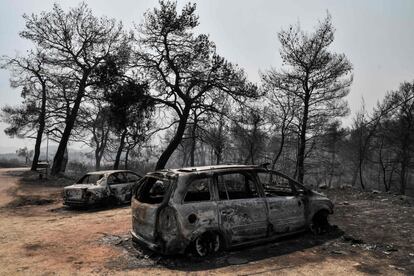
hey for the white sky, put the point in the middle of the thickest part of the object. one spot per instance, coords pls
(376, 36)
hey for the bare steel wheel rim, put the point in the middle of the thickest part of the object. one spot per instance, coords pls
(216, 243)
(315, 228)
(206, 244)
(319, 224)
(201, 246)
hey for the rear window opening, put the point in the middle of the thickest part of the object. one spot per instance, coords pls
(90, 179)
(152, 190)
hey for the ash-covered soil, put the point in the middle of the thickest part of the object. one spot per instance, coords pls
(372, 235)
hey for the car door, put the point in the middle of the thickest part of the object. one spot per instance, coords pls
(241, 209)
(132, 179)
(286, 208)
(118, 186)
(197, 209)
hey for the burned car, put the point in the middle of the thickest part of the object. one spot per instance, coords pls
(101, 187)
(206, 209)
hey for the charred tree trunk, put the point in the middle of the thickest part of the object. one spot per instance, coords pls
(98, 158)
(42, 118)
(65, 159)
(193, 141)
(403, 176)
(361, 178)
(126, 158)
(405, 155)
(362, 151)
(279, 152)
(302, 139)
(252, 155)
(218, 157)
(383, 168)
(332, 167)
(58, 160)
(172, 146)
(120, 149)
(101, 140)
(220, 143)
(184, 159)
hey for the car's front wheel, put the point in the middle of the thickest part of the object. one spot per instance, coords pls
(206, 244)
(320, 224)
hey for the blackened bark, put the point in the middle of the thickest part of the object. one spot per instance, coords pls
(279, 152)
(59, 156)
(362, 151)
(220, 143)
(41, 129)
(100, 144)
(193, 140)
(404, 165)
(405, 155)
(384, 171)
(126, 159)
(98, 158)
(403, 180)
(120, 149)
(302, 139)
(172, 146)
(361, 178)
(218, 158)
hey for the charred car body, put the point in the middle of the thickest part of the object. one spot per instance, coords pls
(101, 187)
(209, 208)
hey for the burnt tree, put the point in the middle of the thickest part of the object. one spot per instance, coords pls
(30, 73)
(318, 78)
(183, 68)
(75, 42)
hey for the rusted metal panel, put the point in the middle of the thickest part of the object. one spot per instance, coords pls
(171, 226)
(286, 213)
(243, 219)
(192, 217)
(144, 219)
(98, 192)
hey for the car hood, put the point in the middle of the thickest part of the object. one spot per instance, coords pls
(83, 186)
(321, 198)
(318, 194)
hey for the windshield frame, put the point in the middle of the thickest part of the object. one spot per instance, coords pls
(141, 185)
(88, 175)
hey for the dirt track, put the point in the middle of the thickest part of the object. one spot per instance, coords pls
(40, 237)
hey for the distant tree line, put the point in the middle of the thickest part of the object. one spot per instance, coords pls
(161, 94)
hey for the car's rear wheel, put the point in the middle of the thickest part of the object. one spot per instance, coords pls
(320, 224)
(207, 244)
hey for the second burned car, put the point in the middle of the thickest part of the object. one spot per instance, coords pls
(100, 187)
(205, 209)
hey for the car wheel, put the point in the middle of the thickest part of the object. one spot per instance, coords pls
(206, 244)
(319, 224)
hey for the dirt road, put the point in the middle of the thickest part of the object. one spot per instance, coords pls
(40, 237)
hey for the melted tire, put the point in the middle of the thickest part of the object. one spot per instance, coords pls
(320, 224)
(206, 244)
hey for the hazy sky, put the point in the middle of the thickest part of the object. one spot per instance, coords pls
(376, 36)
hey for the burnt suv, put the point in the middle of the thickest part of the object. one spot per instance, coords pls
(206, 209)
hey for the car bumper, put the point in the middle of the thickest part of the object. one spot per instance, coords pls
(136, 238)
(76, 203)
